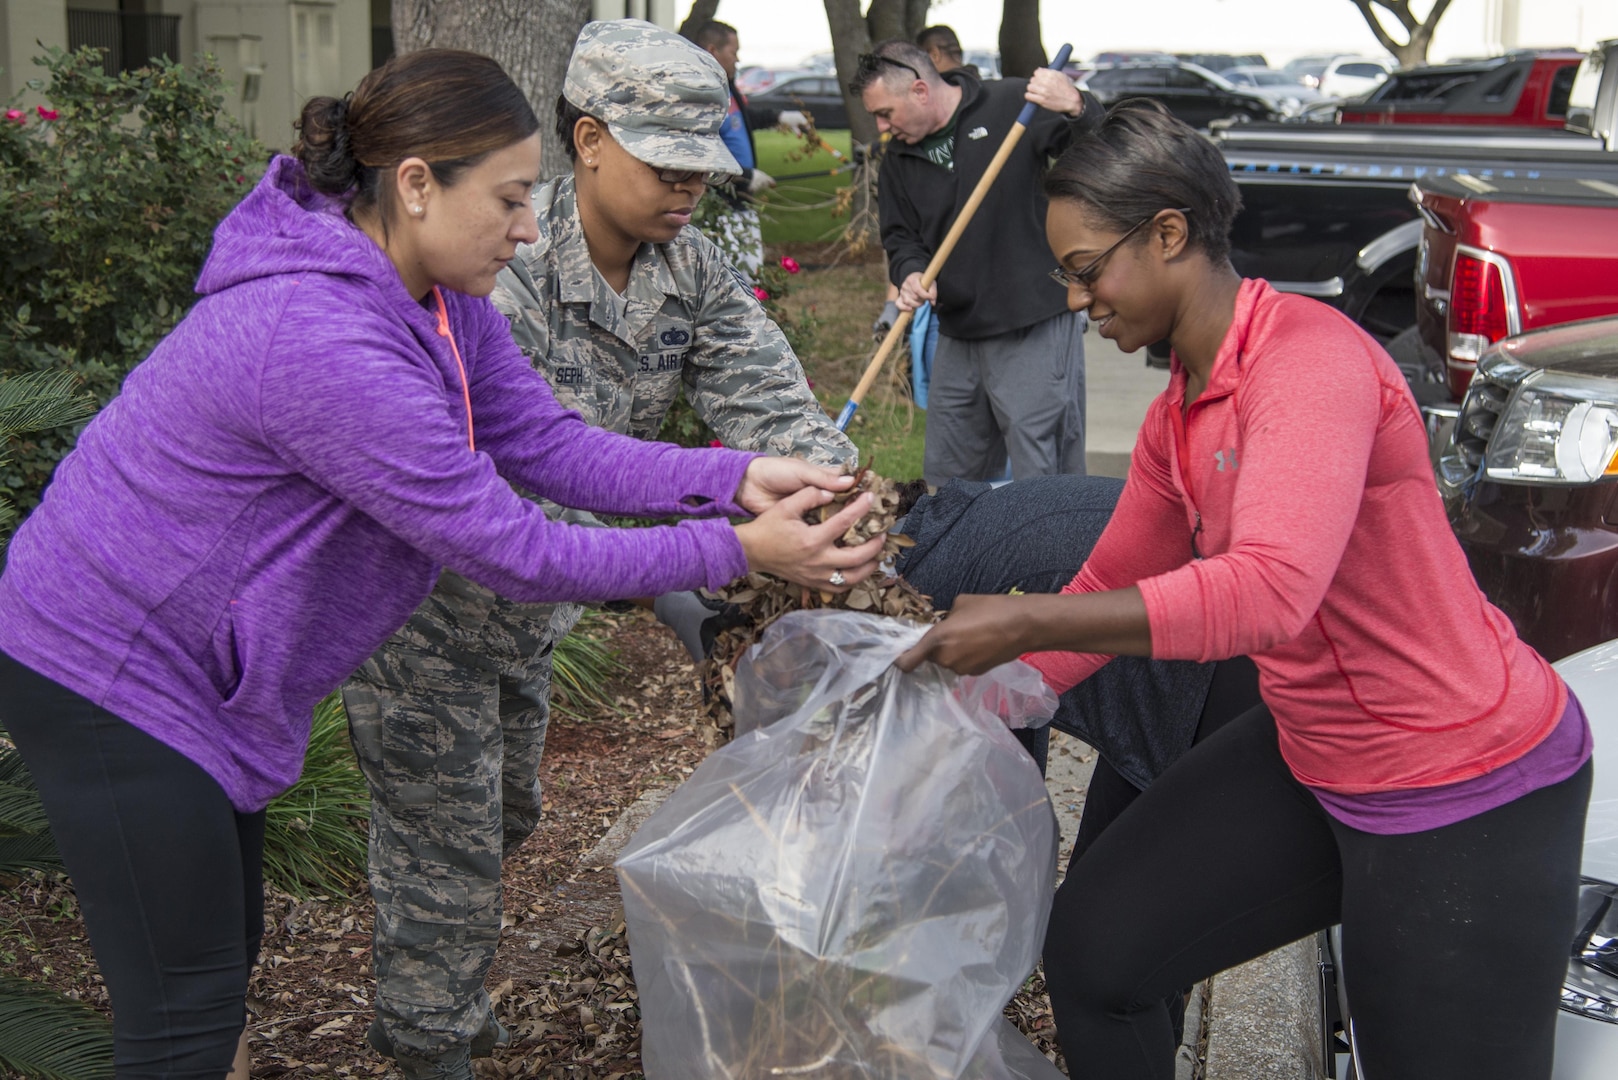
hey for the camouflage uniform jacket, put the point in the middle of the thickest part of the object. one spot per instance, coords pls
(685, 320)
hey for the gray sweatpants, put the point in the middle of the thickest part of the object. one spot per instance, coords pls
(1018, 395)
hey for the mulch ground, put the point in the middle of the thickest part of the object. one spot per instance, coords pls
(562, 979)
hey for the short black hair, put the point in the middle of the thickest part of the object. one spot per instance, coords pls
(940, 37)
(891, 58)
(568, 116)
(712, 33)
(1140, 160)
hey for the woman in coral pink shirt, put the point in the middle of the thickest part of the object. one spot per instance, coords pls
(1416, 772)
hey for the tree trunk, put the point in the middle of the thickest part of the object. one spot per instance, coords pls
(702, 11)
(896, 19)
(850, 36)
(1418, 32)
(532, 40)
(915, 17)
(1021, 51)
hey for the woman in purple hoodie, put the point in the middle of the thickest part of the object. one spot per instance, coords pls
(341, 415)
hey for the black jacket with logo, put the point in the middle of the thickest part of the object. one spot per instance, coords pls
(996, 280)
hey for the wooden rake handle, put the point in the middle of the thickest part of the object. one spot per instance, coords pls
(941, 256)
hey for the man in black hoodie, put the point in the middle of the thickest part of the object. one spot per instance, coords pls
(1008, 376)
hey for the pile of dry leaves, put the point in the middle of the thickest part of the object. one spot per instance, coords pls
(763, 599)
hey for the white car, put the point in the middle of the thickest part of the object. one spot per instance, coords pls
(1287, 94)
(1587, 1026)
(1351, 76)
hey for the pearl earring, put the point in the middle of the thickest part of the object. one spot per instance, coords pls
(415, 209)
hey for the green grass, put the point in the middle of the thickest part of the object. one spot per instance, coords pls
(801, 211)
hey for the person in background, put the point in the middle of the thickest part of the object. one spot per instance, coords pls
(943, 48)
(274, 490)
(623, 306)
(1415, 772)
(1008, 374)
(740, 221)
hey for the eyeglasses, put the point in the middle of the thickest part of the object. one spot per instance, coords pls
(1086, 277)
(871, 62)
(679, 176)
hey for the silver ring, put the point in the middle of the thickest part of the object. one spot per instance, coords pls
(837, 578)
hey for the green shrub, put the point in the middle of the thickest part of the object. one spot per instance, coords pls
(315, 831)
(681, 425)
(108, 200)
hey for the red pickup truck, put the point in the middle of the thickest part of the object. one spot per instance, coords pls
(1528, 89)
(1505, 255)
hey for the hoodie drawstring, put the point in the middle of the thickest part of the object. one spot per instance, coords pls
(466, 392)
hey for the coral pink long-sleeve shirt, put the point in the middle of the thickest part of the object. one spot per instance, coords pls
(1302, 469)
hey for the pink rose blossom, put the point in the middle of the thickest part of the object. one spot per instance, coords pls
(758, 291)
(17, 116)
(716, 444)
(46, 114)
(811, 383)
(789, 264)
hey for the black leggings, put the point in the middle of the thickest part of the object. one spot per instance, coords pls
(167, 873)
(1455, 940)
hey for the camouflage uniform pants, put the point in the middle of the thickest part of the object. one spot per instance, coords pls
(448, 720)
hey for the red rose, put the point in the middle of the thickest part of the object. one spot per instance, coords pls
(716, 444)
(789, 264)
(46, 114)
(17, 116)
(758, 291)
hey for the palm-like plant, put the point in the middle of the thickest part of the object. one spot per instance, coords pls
(36, 401)
(42, 1033)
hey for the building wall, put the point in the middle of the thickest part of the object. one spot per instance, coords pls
(22, 24)
(276, 54)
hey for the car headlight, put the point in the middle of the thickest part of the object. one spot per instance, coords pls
(1591, 986)
(1556, 429)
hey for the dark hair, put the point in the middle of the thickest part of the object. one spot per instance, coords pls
(889, 61)
(1140, 160)
(450, 108)
(568, 116)
(712, 33)
(939, 37)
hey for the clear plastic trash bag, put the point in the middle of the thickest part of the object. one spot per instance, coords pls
(857, 885)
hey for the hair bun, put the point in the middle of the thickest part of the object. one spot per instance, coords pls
(323, 145)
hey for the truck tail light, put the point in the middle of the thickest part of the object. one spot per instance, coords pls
(1478, 312)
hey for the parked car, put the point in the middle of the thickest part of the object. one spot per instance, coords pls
(1530, 482)
(1526, 88)
(987, 61)
(1223, 62)
(1506, 255)
(817, 95)
(1350, 76)
(1327, 212)
(750, 80)
(1138, 56)
(1288, 95)
(1587, 1025)
(1196, 96)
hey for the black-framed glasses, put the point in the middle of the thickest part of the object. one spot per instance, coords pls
(1086, 277)
(871, 62)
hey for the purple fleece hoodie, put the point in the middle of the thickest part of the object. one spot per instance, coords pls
(277, 486)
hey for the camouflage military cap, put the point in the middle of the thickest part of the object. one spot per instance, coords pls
(660, 96)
